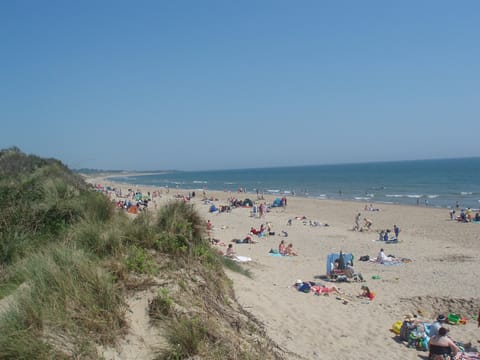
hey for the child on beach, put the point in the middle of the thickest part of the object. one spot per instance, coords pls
(367, 293)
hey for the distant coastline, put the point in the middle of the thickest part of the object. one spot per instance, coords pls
(433, 183)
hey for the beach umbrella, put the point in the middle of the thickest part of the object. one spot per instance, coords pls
(341, 261)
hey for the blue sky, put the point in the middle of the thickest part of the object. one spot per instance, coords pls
(197, 85)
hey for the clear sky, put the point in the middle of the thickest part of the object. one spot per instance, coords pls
(197, 85)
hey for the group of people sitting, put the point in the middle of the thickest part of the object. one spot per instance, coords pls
(440, 345)
(346, 273)
(262, 231)
(389, 236)
(286, 250)
(465, 215)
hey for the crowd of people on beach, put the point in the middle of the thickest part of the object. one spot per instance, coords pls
(433, 337)
(465, 216)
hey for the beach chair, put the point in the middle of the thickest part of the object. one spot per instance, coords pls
(333, 273)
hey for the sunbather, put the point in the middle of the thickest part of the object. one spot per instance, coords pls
(230, 252)
(441, 347)
(323, 289)
(289, 251)
(382, 258)
(281, 247)
(350, 273)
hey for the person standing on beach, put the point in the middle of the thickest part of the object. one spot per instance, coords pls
(357, 222)
(396, 229)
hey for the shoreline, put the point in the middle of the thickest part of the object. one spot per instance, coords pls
(110, 178)
(441, 278)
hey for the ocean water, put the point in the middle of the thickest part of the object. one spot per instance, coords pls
(435, 183)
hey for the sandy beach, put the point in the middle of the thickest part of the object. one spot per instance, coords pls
(440, 278)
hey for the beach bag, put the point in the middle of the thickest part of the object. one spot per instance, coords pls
(405, 330)
(364, 258)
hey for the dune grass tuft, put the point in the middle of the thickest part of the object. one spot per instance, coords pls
(66, 294)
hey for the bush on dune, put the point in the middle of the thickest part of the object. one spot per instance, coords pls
(181, 228)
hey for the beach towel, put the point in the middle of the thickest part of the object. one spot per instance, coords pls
(470, 355)
(277, 255)
(391, 263)
(239, 258)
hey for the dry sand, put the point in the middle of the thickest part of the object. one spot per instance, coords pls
(442, 278)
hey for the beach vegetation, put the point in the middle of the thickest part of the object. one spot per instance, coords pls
(162, 305)
(140, 261)
(63, 298)
(186, 337)
(235, 267)
(181, 229)
(69, 262)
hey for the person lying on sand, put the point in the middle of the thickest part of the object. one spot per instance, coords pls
(248, 239)
(323, 289)
(218, 242)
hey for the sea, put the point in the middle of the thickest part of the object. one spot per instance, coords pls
(442, 183)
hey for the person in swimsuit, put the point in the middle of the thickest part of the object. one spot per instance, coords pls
(441, 347)
(281, 247)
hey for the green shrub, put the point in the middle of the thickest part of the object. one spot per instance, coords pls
(141, 261)
(13, 245)
(99, 238)
(98, 207)
(181, 228)
(141, 231)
